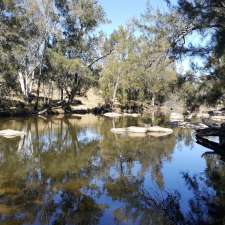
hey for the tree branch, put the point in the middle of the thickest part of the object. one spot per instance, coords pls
(100, 58)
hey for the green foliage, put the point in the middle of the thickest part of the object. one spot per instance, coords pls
(71, 75)
(55, 43)
(206, 19)
(137, 68)
(29, 33)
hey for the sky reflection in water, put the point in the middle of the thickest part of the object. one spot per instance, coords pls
(77, 172)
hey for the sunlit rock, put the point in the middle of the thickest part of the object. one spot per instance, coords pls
(136, 135)
(176, 117)
(158, 134)
(11, 133)
(79, 108)
(143, 131)
(194, 126)
(203, 115)
(137, 129)
(135, 115)
(218, 118)
(158, 129)
(119, 130)
(113, 115)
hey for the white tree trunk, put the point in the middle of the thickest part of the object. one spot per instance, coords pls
(153, 100)
(26, 83)
(116, 88)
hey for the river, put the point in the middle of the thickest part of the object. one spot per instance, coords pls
(75, 171)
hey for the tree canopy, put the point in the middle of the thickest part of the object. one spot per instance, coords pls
(56, 45)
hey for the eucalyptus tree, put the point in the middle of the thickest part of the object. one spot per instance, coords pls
(31, 28)
(14, 32)
(138, 69)
(72, 76)
(117, 66)
(204, 20)
(79, 20)
(26, 28)
(75, 57)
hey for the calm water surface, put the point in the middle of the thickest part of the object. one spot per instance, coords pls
(71, 171)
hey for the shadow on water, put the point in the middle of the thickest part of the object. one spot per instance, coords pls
(70, 171)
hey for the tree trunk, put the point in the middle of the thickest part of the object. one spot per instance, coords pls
(38, 93)
(153, 100)
(61, 94)
(39, 77)
(26, 83)
(115, 89)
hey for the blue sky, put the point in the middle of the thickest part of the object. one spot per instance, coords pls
(121, 11)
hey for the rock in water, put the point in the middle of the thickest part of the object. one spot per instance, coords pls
(203, 115)
(135, 115)
(161, 130)
(218, 118)
(176, 117)
(158, 134)
(113, 115)
(119, 130)
(143, 131)
(137, 129)
(194, 126)
(11, 133)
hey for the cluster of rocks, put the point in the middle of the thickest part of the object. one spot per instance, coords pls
(215, 115)
(155, 131)
(178, 120)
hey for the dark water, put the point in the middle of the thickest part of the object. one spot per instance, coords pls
(70, 171)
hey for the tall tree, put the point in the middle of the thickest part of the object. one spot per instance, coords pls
(137, 69)
(206, 19)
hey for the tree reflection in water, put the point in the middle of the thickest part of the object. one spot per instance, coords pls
(64, 171)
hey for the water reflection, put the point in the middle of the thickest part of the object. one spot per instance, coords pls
(70, 171)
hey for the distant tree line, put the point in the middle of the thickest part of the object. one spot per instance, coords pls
(55, 44)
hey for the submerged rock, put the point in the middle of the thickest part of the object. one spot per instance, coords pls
(158, 134)
(11, 133)
(77, 116)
